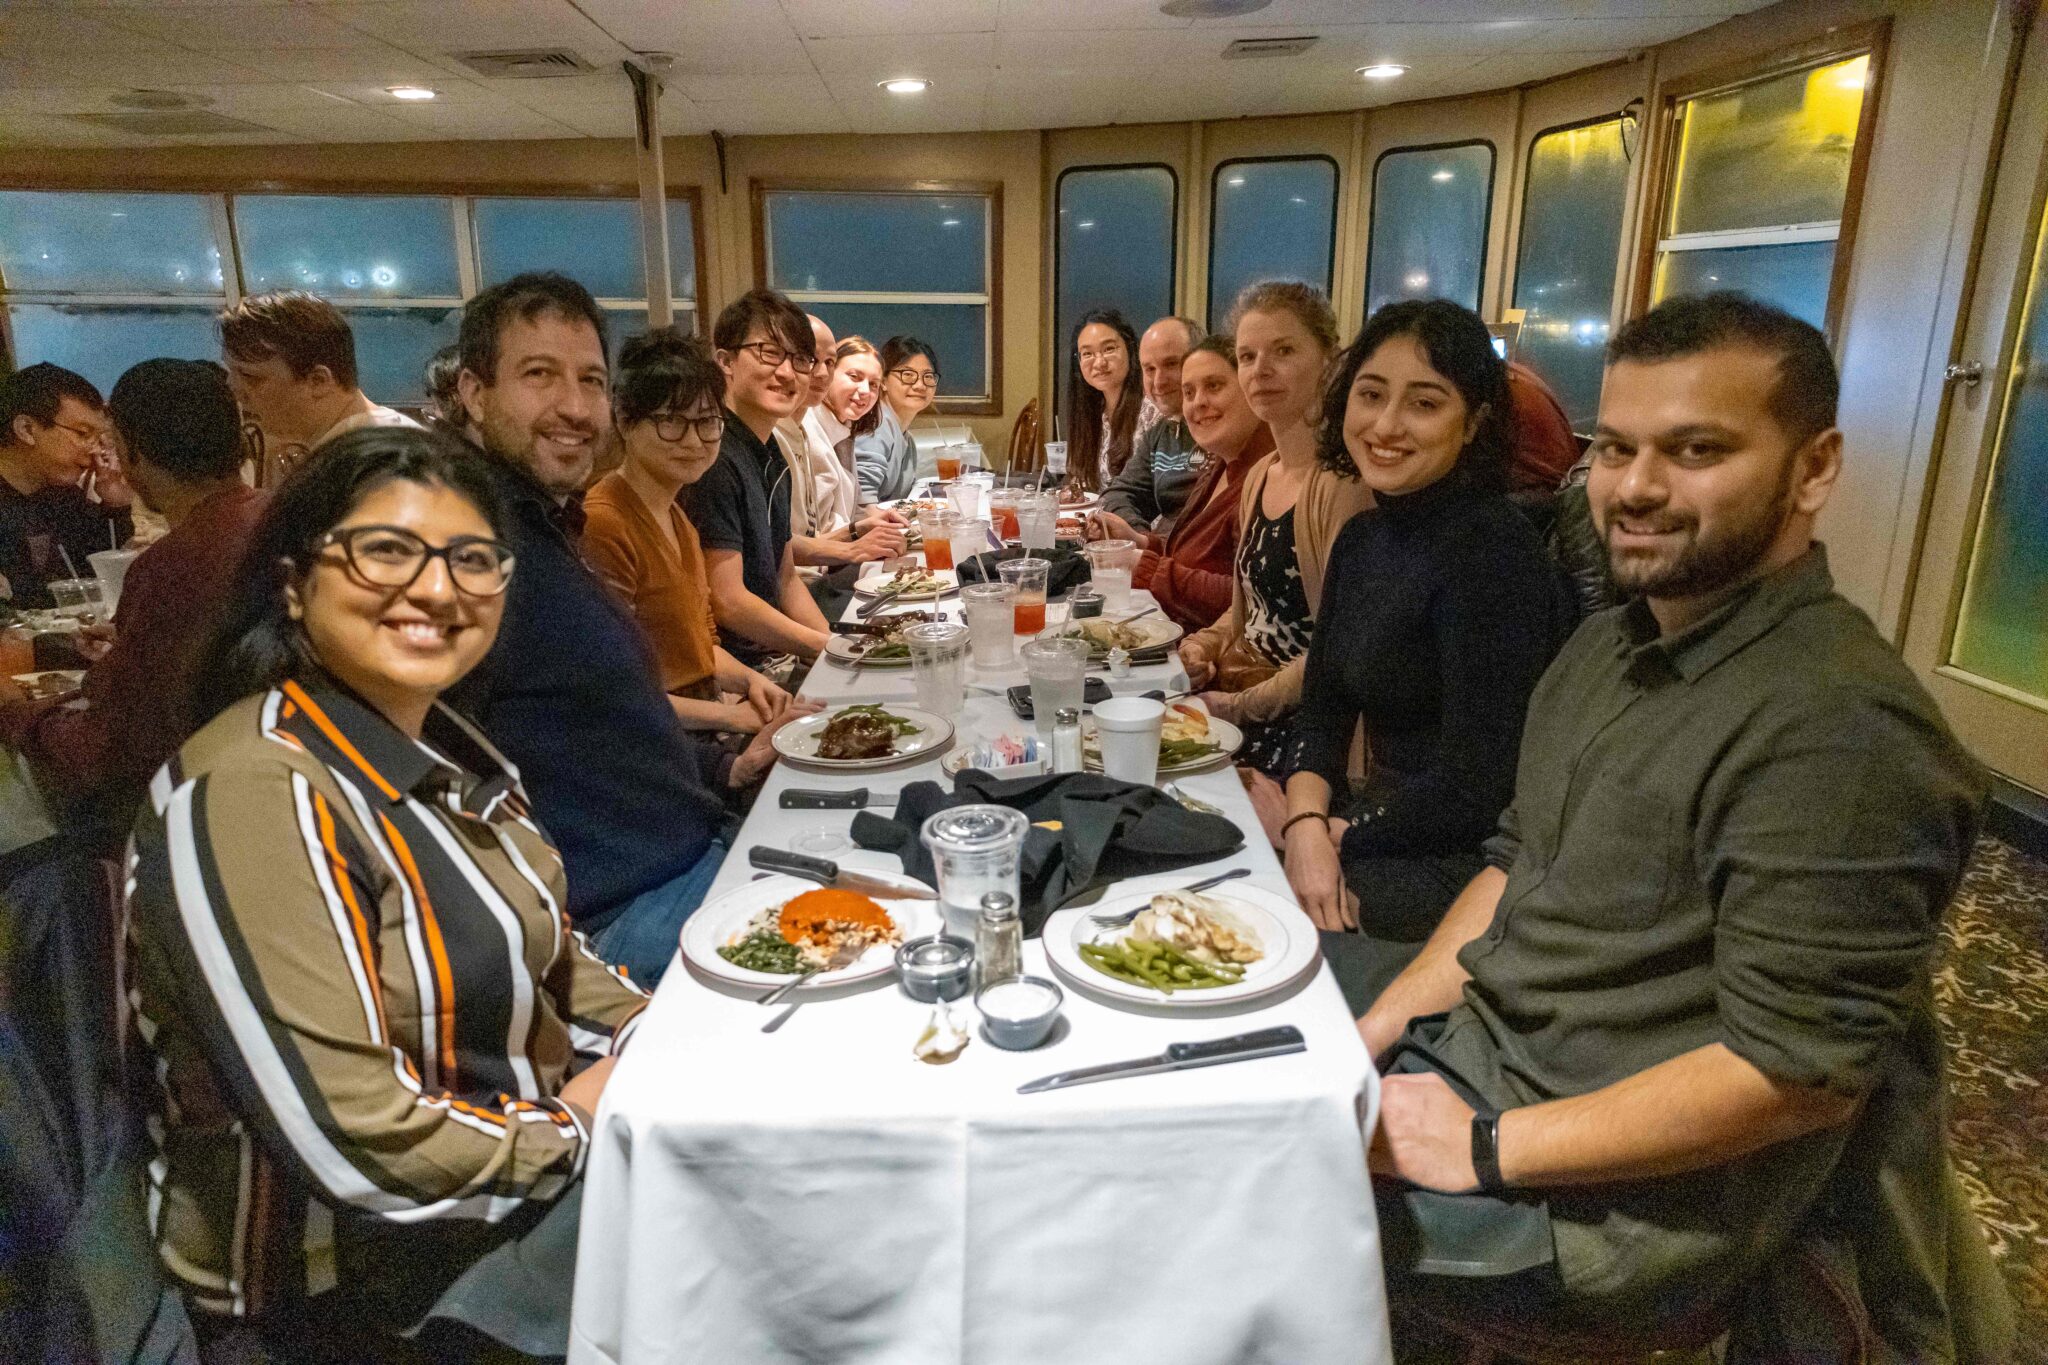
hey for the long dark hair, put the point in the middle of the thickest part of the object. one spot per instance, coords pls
(257, 645)
(1457, 346)
(1085, 403)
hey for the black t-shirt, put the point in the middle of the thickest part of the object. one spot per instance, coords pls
(742, 503)
(34, 525)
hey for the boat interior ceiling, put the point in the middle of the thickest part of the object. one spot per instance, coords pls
(1557, 164)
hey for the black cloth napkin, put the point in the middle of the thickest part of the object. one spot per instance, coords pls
(1069, 568)
(1108, 830)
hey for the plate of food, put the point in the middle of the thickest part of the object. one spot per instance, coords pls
(1072, 499)
(1146, 634)
(766, 931)
(877, 649)
(1190, 739)
(50, 682)
(914, 581)
(1004, 755)
(865, 735)
(1185, 950)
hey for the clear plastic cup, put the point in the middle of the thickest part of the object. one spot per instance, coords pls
(1056, 459)
(76, 596)
(932, 524)
(1028, 576)
(1058, 668)
(938, 665)
(1038, 517)
(1109, 566)
(991, 623)
(1002, 513)
(975, 850)
(110, 568)
(968, 537)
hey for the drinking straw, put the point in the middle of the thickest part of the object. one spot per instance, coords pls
(71, 568)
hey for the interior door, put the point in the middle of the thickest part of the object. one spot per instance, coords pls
(1978, 630)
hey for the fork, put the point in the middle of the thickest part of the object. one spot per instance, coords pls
(842, 956)
(1118, 921)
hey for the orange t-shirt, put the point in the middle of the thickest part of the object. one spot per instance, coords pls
(665, 588)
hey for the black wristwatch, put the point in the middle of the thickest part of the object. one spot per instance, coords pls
(1486, 1153)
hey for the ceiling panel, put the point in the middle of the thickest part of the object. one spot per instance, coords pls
(322, 67)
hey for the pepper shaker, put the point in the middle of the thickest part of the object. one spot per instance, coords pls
(998, 939)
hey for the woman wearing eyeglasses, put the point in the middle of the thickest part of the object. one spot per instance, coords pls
(1106, 401)
(377, 1042)
(667, 399)
(885, 459)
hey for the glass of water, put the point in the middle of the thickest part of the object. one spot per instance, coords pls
(991, 616)
(1109, 565)
(1057, 667)
(1037, 519)
(938, 665)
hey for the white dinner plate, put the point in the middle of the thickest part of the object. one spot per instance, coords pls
(843, 649)
(60, 679)
(718, 921)
(1154, 632)
(798, 740)
(1283, 931)
(1226, 736)
(871, 586)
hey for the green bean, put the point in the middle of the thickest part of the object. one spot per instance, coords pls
(1161, 966)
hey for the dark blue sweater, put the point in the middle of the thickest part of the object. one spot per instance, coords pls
(570, 695)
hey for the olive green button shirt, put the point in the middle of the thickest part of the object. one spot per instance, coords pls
(1744, 833)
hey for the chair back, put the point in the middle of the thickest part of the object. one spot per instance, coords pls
(1025, 452)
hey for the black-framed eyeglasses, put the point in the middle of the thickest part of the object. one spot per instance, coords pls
(670, 426)
(771, 355)
(913, 379)
(393, 557)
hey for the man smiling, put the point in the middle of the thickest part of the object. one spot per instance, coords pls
(569, 692)
(1685, 1013)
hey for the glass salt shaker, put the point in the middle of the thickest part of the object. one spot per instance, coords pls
(998, 939)
(1066, 740)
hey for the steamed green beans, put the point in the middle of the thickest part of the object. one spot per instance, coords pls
(1160, 966)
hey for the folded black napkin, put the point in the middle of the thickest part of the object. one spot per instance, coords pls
(1106, 831)
(1069, 567)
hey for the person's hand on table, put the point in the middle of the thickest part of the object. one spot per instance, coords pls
(1197, 664)
(1269, 803)
(758, 757)
(1316, 873)
(766, 699)
(1424, 1135)
(880, 542)
(582, 1091)
(872, 517)
(93, 641)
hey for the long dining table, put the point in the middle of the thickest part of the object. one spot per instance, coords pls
(818, 1194)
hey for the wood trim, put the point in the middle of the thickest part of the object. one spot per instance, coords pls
(759, 188)
(1815, 50)
(691, 195)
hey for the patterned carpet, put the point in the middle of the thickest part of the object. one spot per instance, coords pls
(1992, 989)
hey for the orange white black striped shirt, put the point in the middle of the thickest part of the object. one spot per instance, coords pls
(352, 967)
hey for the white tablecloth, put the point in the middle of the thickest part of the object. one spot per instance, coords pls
(819, 1195)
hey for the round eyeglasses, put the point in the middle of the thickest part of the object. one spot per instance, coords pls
(916, 379)
(671, 426)
(393, 557)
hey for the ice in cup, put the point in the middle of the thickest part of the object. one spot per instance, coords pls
(1038, 517)
(1028, 575)
(969, 536)
(933, 523)
(938, 665)
(1127, 731)
(991, 623)
(1002, 513)
(1057, 667)
(1109, 565)
(1056, 459)
(949, 462)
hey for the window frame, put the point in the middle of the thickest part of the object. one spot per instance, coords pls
(1173, 226)
(1872, 39)
(1486, 217)
(1336, 204)
(1528, 183)
(221, 194)
(990, 405)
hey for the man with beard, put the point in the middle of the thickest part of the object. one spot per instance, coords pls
(569, 691)
(741, 506)
(1685, 1016)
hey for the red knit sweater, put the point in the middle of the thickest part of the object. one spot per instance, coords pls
(1189, 571)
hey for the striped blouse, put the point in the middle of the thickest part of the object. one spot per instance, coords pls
(350, 961)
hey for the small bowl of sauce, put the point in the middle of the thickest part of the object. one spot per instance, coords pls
(1019, 1011)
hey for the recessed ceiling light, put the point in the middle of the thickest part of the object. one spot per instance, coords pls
(1382, 71)
(409, 92)
(906, 85)
(1444, 177)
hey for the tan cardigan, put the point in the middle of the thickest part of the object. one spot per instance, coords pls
(1327, 501)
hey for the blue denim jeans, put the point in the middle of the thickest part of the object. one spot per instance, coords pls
(642, 937)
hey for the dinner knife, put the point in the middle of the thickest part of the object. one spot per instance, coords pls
(812, 798)
(879, 601)
(825, 872)
(1244, 1047)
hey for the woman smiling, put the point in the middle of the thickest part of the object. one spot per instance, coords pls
(349, 942)
(1106, 400)
(669, 416)
(1449, 613)
(886, 457)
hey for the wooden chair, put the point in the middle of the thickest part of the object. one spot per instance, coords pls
(1025, 452)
